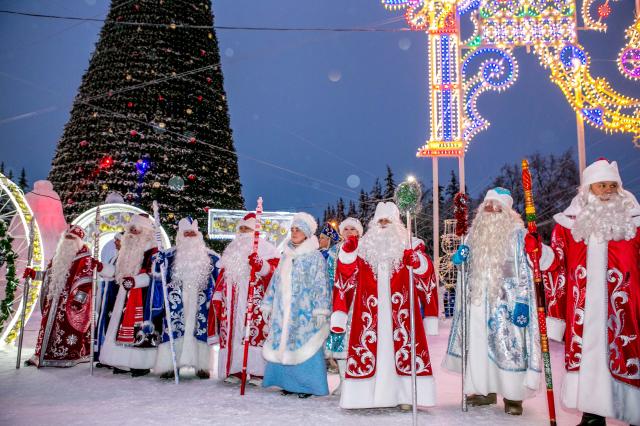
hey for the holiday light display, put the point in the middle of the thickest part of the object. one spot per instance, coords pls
(17, 215)
(223, 225)
(549, 27)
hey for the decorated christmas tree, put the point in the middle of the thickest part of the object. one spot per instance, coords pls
(151, 119)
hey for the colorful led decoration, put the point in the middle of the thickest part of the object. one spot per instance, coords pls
(498, 72)
(629, 58)
(547, 26)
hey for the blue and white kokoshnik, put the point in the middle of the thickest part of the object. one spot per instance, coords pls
(174, 296)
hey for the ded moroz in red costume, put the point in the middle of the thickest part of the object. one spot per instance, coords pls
(593, 297)
(64, 338)
(378, 371)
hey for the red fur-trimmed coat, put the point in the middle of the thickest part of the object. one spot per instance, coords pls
(357, 283)
(565, 287)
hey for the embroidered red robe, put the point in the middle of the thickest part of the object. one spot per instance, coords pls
(65, 336)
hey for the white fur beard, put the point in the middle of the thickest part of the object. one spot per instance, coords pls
(383, 245)
(489, 240)
(131, 254)
(192, 265)
(61, 265)
(235, 259)
(605, 220)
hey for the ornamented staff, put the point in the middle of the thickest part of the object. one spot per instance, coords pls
(249, 314)
(530, 213)
(461, 212)
(167, 312)
(25, 292)
(407, 197)
(94, 285)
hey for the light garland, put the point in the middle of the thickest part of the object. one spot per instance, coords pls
(629, 57)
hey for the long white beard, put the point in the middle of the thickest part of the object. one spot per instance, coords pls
(383, 245)
(235, 259)
(131, 254)
(61, 265)
(192, 266)
(489, 240)
(604, 220)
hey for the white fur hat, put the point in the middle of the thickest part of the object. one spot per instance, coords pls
(501, 195)
(387, 210)
(601, 171)
(142, 221)
(249, 220)
(351, 221)
(305, 222)
(187, 224)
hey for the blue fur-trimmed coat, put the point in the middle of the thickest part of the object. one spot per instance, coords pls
(298, 303)
(174, 296)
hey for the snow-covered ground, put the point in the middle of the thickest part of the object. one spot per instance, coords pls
(70, 396)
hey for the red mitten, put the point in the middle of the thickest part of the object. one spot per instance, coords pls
(351, 244)
(255, 262)
(29, 273)
(411, 259)
(532, 246)
(128, 282)
(95, 263)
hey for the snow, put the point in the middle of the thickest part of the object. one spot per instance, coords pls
(70, 396)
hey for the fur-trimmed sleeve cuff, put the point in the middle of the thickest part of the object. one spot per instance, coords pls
(338, 322)
(347, 258)
(141, 280)
(424, 265)
(555, 328)
(108, 271)
(430, 325)
(547, 257)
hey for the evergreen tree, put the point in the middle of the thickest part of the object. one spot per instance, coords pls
(352, 212)
(339, 217)
(389, 185)
(453, 187)
(376, 195)
(364, 208)
(22, 182)
(151, 92)
(10, 175)
(2, 167)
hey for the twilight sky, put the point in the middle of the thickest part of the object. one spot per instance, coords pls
(328, 110)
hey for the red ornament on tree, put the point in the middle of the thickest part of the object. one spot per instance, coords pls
(191, 177)
(84, 143)
(203, 52)
(209, 80)
(105, 162)
(206, 209)
(160, 98)
(130, 104)
(192, 140)
(133, 133)
(200, 98)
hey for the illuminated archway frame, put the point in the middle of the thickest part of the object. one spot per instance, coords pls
(113, 219)
(21, 220)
